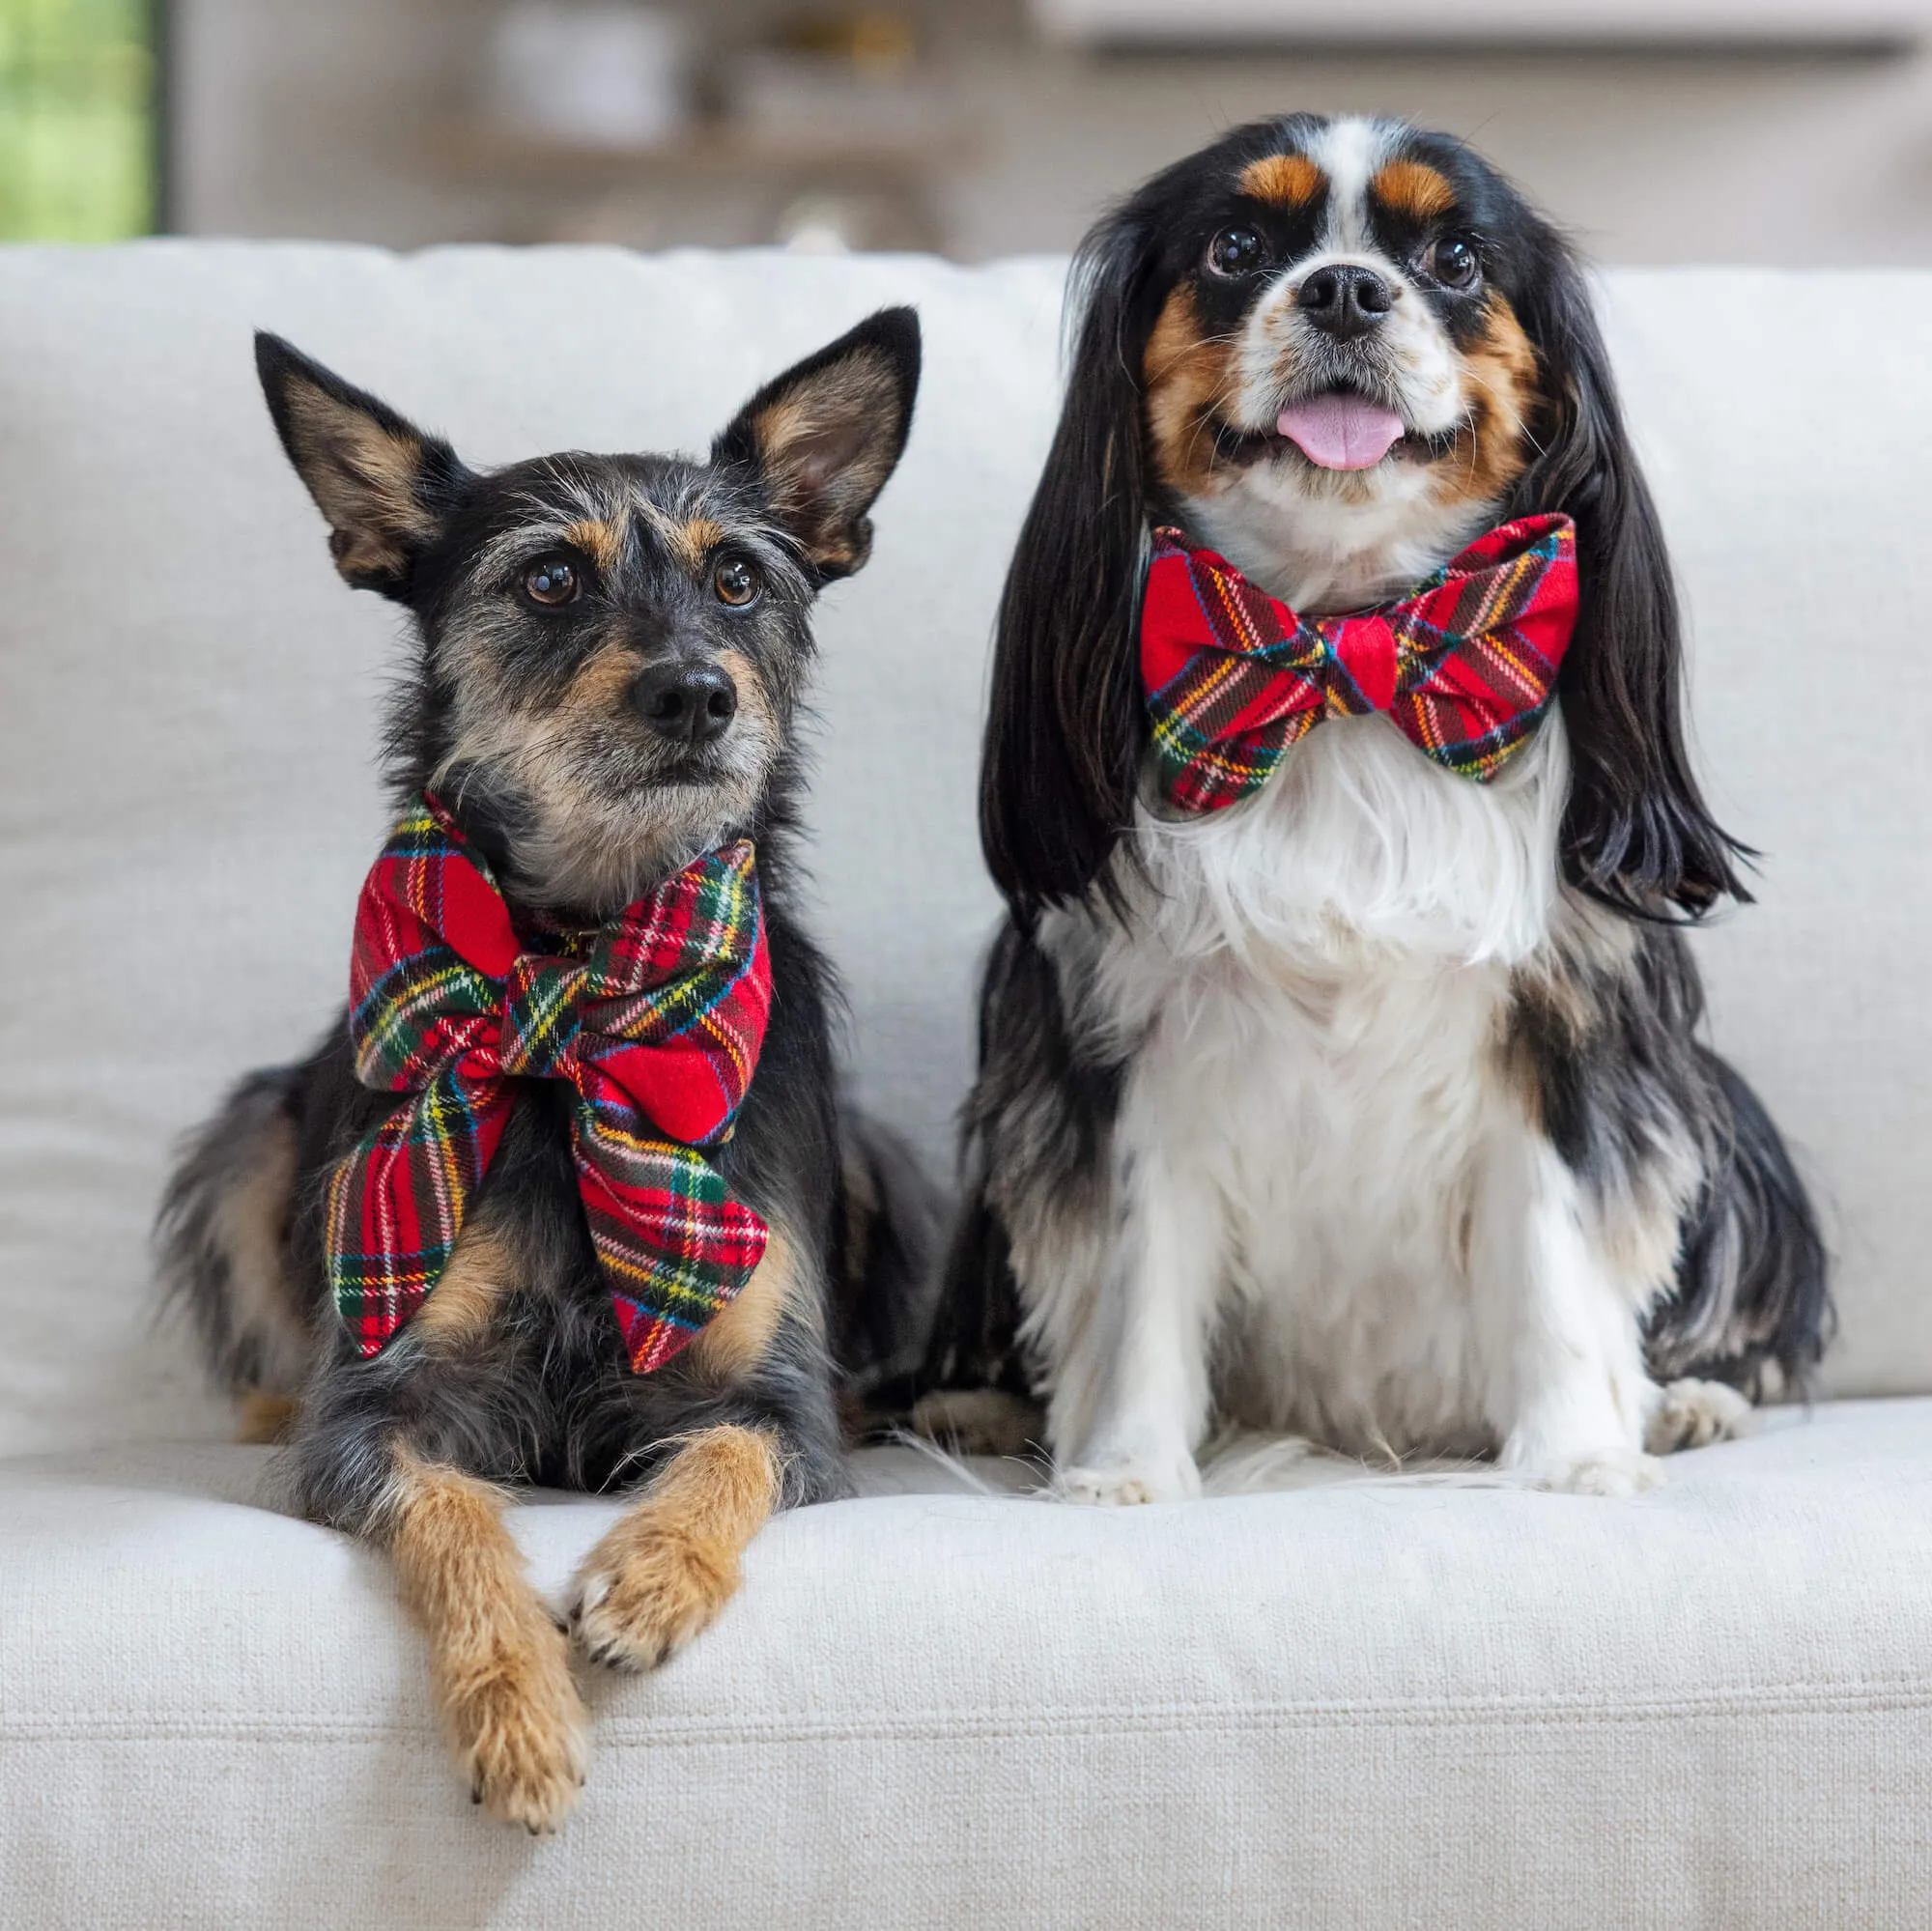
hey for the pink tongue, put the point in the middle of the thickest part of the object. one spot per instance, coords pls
(1340, 431)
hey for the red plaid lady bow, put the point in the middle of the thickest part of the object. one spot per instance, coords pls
(1465, 665)
(656, 1022)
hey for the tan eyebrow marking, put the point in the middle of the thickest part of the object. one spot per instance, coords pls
(1293, 179)
(1412, 188)
(686, 537)
(696, 536)
(600, 540)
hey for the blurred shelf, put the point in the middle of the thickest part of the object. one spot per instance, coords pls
(477, 149)
(1660, 23)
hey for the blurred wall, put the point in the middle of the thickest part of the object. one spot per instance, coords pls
(310, 117)
(346, 119)
(1778, 158)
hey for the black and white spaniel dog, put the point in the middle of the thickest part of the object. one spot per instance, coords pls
(1374, 1106)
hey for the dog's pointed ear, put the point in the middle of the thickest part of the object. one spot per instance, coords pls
(1636, 831)
(1065, 726)
(826, 435)
(382, 484)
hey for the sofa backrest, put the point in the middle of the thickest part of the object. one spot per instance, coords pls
(188, 700)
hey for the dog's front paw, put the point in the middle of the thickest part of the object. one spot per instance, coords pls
(1693, 1415)
(645, 1591)
(1619, 1472)
(668, 1567)
(1130, 1480)
(520, 1732)
(979, 1421)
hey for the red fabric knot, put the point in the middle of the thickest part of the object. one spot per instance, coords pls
(1366, 649)
(542, 1018)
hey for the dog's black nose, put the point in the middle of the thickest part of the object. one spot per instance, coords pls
(1344, 299)
(688, 702)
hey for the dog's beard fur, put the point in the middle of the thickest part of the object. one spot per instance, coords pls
(1348, 1108)
(594, 820)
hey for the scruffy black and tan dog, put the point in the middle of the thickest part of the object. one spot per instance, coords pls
(581, 1111)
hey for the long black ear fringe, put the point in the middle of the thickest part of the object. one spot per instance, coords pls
(1638, 835)
(1064, 726)
(1753, 1285)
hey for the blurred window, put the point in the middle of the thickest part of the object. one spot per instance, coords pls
(79, 141)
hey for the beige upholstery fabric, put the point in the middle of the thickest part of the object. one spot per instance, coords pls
(1358, 1706)
(1365, 1705)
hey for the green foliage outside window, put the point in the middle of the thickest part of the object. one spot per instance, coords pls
(77, 126)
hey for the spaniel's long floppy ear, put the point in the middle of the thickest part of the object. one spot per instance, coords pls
(826, 435)
(384, 486)
(1637, 834)
(1064, 729)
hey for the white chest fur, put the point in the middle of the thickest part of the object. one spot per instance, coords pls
(1321, 1176)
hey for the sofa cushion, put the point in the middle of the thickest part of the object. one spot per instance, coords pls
(1363, 1704)
(188, 700)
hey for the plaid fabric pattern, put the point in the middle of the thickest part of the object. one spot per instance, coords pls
(655, 1020)
(1465, 665)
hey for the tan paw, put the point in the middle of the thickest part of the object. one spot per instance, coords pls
(645, 1591)
(519, 1730)
(669, 1565)
(979, 1421)
(1693, 1415)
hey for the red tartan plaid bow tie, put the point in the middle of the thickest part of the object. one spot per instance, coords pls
(1465, 665)
(656, 1023)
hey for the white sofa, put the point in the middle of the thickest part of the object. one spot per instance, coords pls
(1365, 1702)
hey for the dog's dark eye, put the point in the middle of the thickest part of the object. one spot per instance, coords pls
(553, 581)
(1453, 263)
(1236, 251)
(737, 582)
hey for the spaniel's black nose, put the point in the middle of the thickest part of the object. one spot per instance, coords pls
(689, 703)
(1344, 299)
